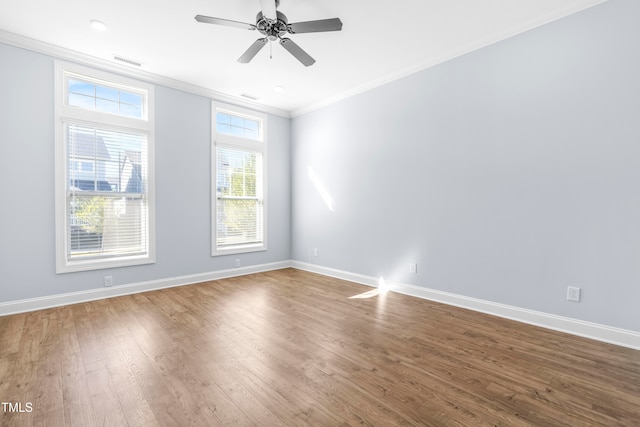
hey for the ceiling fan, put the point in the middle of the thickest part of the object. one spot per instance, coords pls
(274, 25)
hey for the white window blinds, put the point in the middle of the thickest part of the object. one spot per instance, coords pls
(239, 204)
(106, 193)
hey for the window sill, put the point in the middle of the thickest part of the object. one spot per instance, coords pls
(239, 249)
(88, 265)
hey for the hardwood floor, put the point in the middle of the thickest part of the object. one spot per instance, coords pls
(292, 348)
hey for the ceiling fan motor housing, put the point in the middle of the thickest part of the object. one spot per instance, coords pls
(270, 28)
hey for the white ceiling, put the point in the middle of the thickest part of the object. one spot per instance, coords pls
(380, 40)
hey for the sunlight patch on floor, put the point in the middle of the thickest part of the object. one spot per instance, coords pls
(382, 288)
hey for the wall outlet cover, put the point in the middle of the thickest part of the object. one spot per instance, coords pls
(573, 294)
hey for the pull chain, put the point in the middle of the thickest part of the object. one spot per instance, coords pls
(270, 49)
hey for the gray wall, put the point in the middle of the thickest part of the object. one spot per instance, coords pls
(506, 174)
(183, 152)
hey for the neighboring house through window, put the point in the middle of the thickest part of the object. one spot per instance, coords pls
(104, 170)
(239, 147)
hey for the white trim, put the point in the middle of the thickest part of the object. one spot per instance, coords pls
(338, 274)
(59, 52)
(65, 114)
(608, 334)
(84, 59)
(40, 303)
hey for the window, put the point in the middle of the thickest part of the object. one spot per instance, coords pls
(104, 97)
(244, 127)
(239, 175)
(104, 170)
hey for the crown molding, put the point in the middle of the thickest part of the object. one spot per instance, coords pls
(447, 56)
(62, 53)
(58, 52)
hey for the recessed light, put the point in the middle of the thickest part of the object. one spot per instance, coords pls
(279, 88)
(98, 25)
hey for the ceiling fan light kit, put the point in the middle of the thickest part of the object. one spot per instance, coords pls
(274, 25)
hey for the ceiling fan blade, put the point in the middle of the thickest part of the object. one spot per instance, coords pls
(227, 22)
(268, 8)
(253, 50)
(297, 51)
(333, 24)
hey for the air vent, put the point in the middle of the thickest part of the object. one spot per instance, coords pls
(251, 97)
(127, 61)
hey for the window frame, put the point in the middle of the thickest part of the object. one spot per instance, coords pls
(258, 145)
(65, 115)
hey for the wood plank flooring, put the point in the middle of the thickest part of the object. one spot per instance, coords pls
(292, 348)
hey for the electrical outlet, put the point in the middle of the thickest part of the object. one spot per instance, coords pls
(573, 294)
(237, 262)
(108, 281)
(413, 268)
(316, 252)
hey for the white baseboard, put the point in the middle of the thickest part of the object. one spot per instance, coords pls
(608, 334)
(31, 304)
(621, 337)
